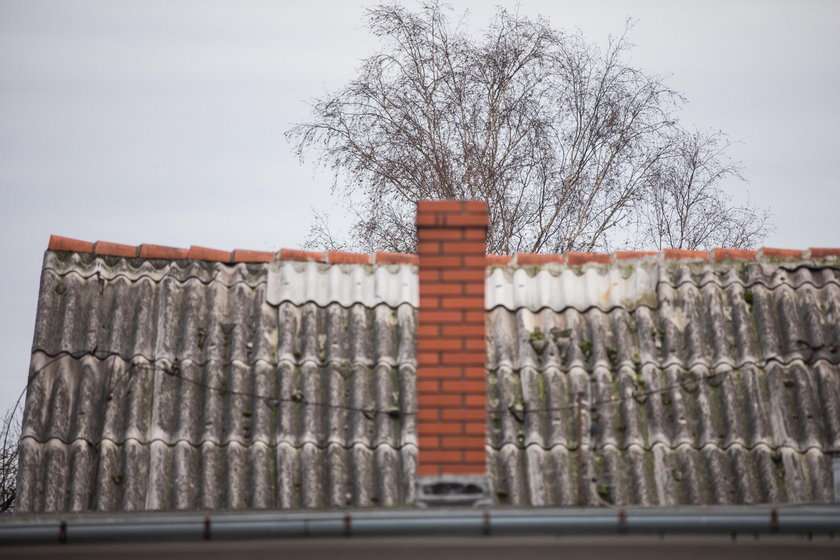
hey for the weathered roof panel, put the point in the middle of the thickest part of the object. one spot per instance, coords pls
(181, 384)
(346, 284)
(727, 390)
(147, 373)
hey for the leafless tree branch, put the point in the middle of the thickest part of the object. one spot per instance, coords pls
(566, 143)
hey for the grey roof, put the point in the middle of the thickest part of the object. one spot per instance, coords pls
(725, 388)
(186, 385)
(175, 385)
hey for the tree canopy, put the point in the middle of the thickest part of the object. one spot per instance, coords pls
(572, 147)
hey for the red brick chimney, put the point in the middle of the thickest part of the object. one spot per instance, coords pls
(451, 343)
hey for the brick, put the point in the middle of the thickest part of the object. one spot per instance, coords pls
(463, 330)
(428, 358)
(464, 386)
(470, 358)
(478, 261)
(428, 414)
(439, 234)
(428, 330)
(440, 456)
(740, 254)
(114, 249)
(475, 206)
(425, 206)
(472, 372)
(462, 442)
(450, 302)
(576, 258)
(440, 400)
(427, 386)
(336, 257)
(468, 275)
(626, 255)
(244, 255)
(823, 252)
(678, 254)
(441, 262)
(428, 442)
(475, 289)
(464, 468)
(429, 302)
(464, 247)
(475, 456)
(296, 255)
(497, 260)
(427, 317)
(537, 259)
(58, 243)
(428, 248)
(429, 276)
(466, 220)
(476, 235)
(475, 400)
(774, 253)
(440, 372)
(428, 219)
(162, 252)
(474, 316)
(383, 257)
(440, 428)
(477, 344)
(428, 469)
(441, 289)
(473, 428)
(439, 344)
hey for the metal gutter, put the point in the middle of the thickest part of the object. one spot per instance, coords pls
(173, 526)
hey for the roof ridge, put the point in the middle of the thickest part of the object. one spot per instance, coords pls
(572, 258)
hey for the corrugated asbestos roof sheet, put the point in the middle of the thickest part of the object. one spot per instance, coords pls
(175, 385)
(724, 389)
(183, 384)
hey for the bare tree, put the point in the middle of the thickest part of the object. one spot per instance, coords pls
(686, 207)
(9, 441)
(562, 140)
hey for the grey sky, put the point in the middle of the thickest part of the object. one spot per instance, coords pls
(161, 122)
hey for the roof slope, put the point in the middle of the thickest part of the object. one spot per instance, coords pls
(175, 385)
(723, 388)
(187, 384)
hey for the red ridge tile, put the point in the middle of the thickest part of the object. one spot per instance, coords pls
(774, 253)
(383, 257)
(245, 255)
(537, 259)
(58, 243)
(721, 254)
(576, 258)
(161, 252)
(497, 260)
(114, 249)
(625, 255)
(207, 254)
(334, 257)
(677, 254)
(297, 255)
(823, 252)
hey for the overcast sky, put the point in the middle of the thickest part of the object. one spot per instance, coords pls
(162, 121)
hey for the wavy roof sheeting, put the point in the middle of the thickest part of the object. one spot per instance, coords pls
(160, 380)
(176, 385)
(724, 388)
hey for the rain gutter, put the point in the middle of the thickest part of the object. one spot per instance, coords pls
(171, 526)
